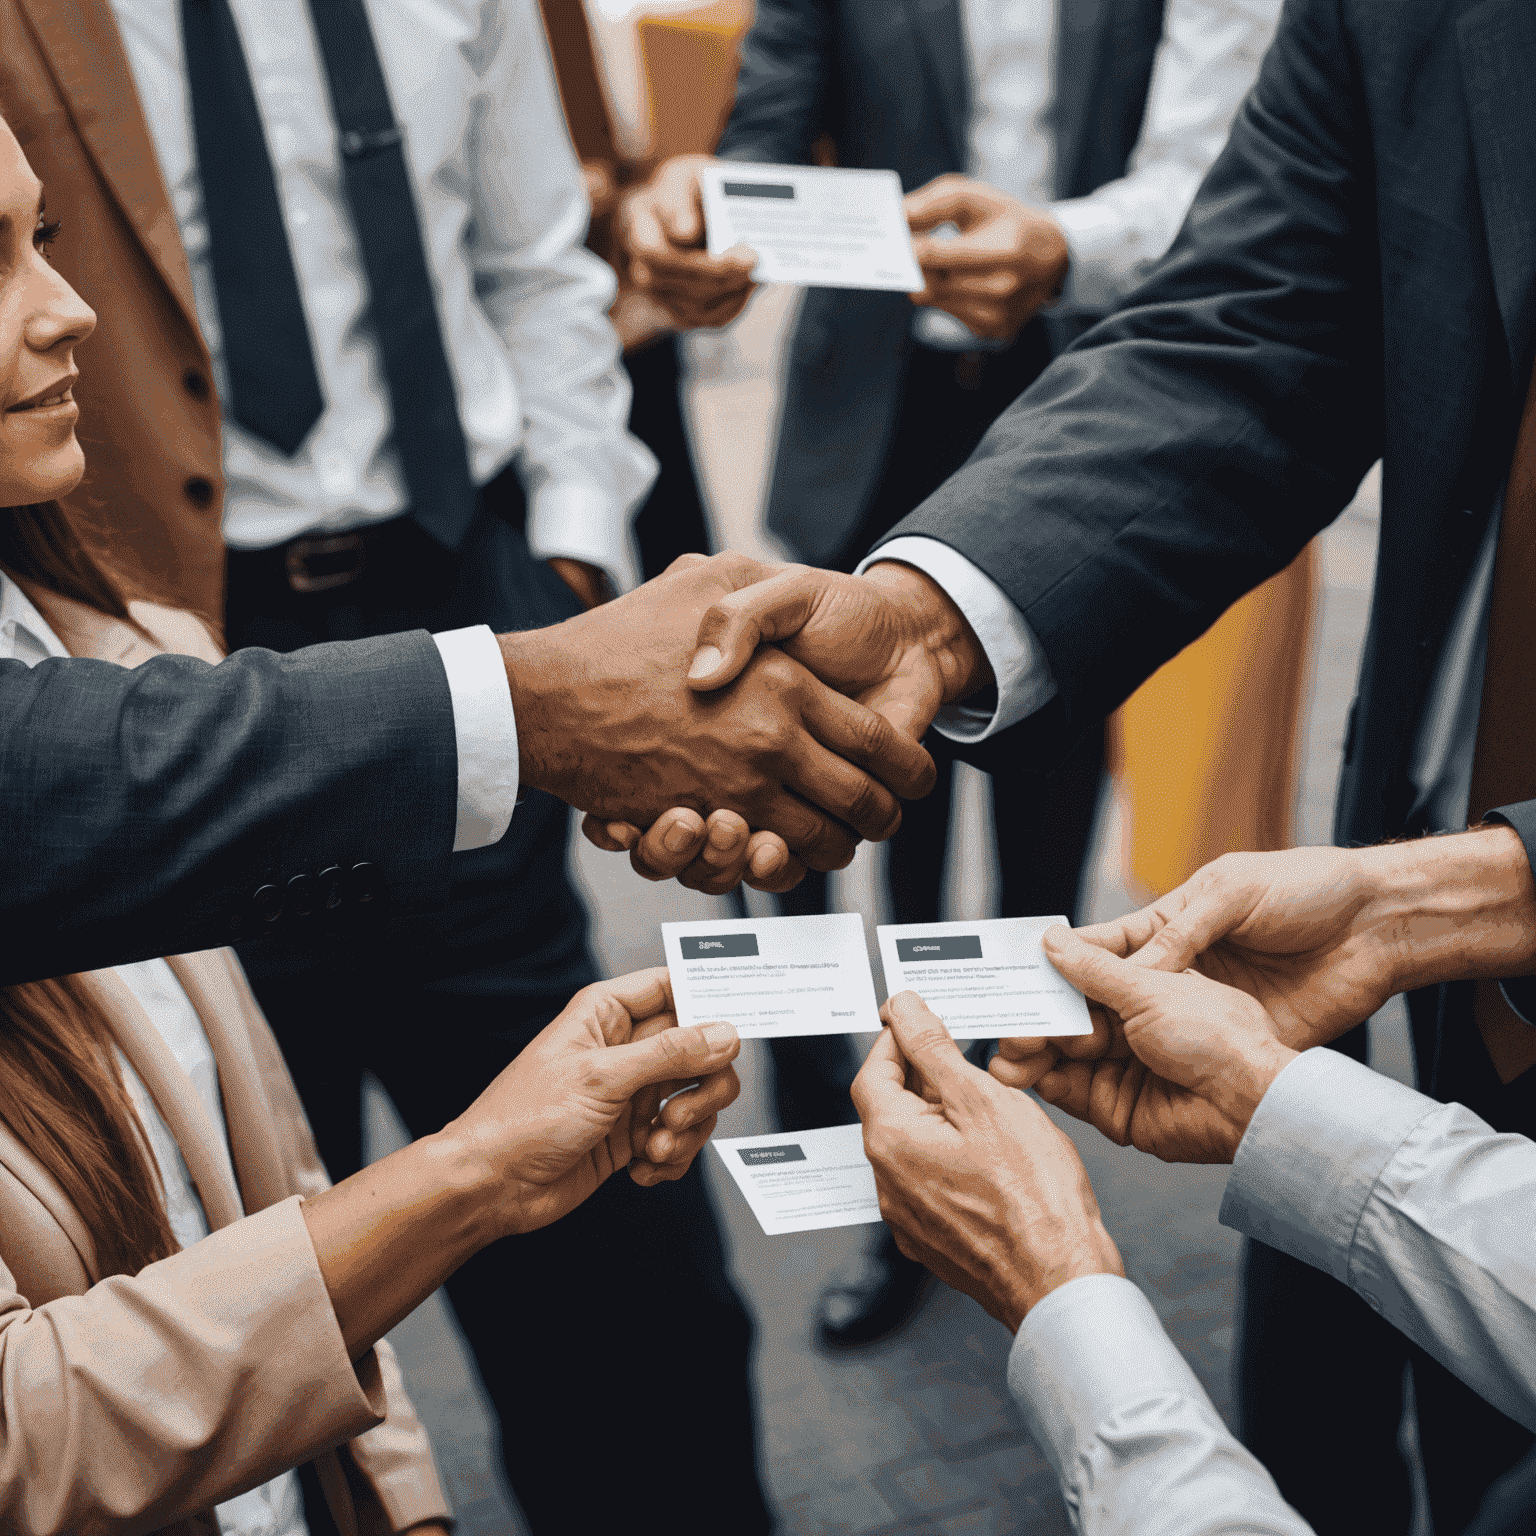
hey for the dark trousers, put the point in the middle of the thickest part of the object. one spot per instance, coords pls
(671, 521)
(948, 402)
(1319, 1375)
(625, 1301)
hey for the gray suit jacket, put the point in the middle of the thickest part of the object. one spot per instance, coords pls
(141, 811)
(889, 81)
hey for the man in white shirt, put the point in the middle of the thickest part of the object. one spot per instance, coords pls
(1421, 1208)
(1061, 144)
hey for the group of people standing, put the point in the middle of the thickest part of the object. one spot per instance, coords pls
(354, 412)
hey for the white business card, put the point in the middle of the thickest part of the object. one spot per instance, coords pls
(802, 1181)
(773, 976)
(987, 980)
(818, 226)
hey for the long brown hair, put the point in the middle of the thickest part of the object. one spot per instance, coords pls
(61, 1088)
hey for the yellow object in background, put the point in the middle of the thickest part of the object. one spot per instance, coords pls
(1204, 753)
(689, 62)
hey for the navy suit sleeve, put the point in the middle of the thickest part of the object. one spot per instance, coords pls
(1520, 992)
(1190, 445)
(786, 65)
(140, 810)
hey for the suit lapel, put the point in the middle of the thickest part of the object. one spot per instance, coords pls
(1498, 55)
(174, 1096)
(210, 988)
(936, 24)
(80, 41)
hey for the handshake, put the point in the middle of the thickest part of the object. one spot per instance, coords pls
(734, 720)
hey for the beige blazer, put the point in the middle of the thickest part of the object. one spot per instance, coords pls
(134, 1404)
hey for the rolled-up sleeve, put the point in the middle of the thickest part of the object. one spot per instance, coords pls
(1420, 1207)
(1136, 1443)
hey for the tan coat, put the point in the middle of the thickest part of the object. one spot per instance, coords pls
(135, 1403)
(149, 419)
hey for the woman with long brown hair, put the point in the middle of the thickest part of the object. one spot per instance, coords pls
(188, 1313)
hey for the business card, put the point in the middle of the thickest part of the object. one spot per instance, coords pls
(987, 980)
(804, 1181)
(820, 226)
(773, 976)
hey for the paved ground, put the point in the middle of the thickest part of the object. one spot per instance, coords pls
(917, 1436)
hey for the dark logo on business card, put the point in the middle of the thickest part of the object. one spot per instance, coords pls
(718, 946)
(755, 1156)
(780, 189)
(949, 946)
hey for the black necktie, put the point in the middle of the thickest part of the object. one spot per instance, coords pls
(428, 435)
(272, 380)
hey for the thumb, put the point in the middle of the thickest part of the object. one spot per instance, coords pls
(668, 1055)
(735, 626)
(930, 1047)
(682, 211)
(942, 201)
(1099, 975)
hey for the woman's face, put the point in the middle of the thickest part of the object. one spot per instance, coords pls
(41, 320)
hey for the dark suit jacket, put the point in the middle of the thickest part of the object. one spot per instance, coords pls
(889, 81)
(141, 810)
(1357, 278)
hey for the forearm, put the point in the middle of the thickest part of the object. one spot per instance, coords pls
(1457, 908)
(391, 1235)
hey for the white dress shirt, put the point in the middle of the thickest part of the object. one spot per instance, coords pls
(276, 1508)
(1420, 1207)
(1205, 64)
(503, 214)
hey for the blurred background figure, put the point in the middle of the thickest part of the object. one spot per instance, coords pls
(1049, 151)
(389, 385)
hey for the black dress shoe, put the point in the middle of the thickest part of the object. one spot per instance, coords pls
(882, 1297)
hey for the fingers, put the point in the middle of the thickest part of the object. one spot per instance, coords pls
(930, 1047)
(731, 631)
(1098, 974)
(1023, 1071)
(770, 864)
(879, 1090)
(679, 1054)
(610, 836)
(865, 737)
(949, 199)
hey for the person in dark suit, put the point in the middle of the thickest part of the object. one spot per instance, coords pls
(1063, 141)
(1356, 280)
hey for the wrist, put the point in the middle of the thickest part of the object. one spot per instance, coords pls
(1453, 908)
(534, 684)
(478, 1199)
(938, 625)
(1240, 1087)
(1091, 1251)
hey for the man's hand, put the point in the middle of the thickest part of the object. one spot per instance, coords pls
(660, 229)
(974, 1180)
(892, 639)
(583, 1100)
(1198, 1057)
(1007, 260)
(608, 720)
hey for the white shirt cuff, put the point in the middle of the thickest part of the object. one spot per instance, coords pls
(1019, 664)
(1092, 1348)
(486, 733)
(1313, 1152)
(580, 522)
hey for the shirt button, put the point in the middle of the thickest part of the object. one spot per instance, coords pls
(328, 888)
(199, 491)
(267, 904)
(195, 384)
(365, 882)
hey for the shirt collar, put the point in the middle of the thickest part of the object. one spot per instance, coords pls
(25, 635)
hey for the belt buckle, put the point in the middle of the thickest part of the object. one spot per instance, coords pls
(330, 552)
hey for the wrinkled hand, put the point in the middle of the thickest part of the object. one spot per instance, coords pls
(608, 721)
(1198, 1057)
(891, 639)
(1006, 261)
(974, 1181)
(660, 229)
(583, 1099)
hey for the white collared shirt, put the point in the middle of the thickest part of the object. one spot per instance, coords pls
(1206, 62)
(503, 214)
(1420, 1207)
(276, 1508)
